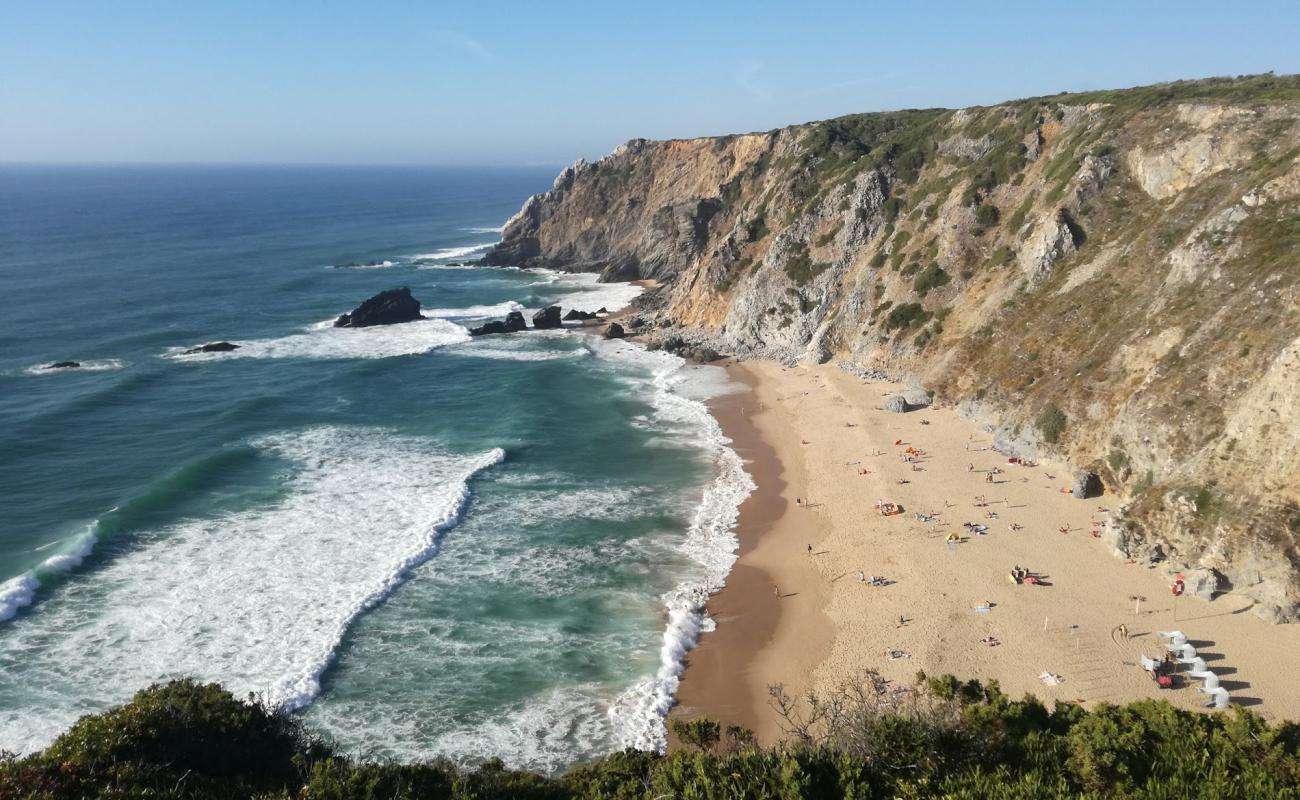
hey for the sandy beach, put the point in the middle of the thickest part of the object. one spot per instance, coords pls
(795, 612)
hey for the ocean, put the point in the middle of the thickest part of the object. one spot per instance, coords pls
(424, 544)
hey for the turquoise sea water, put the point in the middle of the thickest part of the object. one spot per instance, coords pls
(425, 544)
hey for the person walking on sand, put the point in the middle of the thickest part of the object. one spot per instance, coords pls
(810, 550)
(861, 578)
(776, 590)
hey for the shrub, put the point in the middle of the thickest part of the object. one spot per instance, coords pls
(905, 316)
(932, 277)
(986, 216)
(701, 733)
(1051, 423)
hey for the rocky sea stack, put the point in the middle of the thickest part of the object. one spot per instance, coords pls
(389, 307)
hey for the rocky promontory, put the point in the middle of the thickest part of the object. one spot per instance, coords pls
(1105, 278)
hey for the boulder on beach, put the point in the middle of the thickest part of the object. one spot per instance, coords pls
(1086, 484)
(63, 365)
(615, 331)
(212, 347)
(578, 315)
(548, 317)
(389, 307)
(896, 404)
(1202, 582)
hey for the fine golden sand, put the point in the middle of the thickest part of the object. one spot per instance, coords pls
(804, 619)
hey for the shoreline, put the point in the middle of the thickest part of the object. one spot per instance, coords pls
(815, 431)
(755, 625)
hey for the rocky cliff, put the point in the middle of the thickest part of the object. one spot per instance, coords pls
(1111, 277)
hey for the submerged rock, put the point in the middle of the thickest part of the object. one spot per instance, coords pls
(548, 317)
(615, 331)
(389, 307)
(211, 347)
(63, 365)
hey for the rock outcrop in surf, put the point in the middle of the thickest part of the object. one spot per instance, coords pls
(211, 347)
(513, 323)
(389, 307)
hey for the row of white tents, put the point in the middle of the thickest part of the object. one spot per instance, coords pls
(1185, 653)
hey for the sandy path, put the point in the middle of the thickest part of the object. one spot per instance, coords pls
(1068, 628)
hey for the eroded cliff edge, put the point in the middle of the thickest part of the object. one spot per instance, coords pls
(1113, 277)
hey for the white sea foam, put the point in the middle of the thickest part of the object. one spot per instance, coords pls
(474, 312)
(376, 265)
(323, 340)
(93, 365)
(454, 252)
(258, 599)
(593, 295)
(20, 591)
(529, 346)
(638, 714)
(497, 229)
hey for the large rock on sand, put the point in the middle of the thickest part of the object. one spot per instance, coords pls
(1086, 484)
(389, 307)
(548, 317)
(575, 314)
(615, 331)
(896, 404)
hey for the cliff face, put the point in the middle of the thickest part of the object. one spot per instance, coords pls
(1113, 278)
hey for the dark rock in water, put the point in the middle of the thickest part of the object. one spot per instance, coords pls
(547, 318)
(455, 264)
(63, 365)
(389, 307)
(495, 326)
(515, 322)
(576, 314)
(614, 331)
(1086, 484)
(896, 404)
(602, 310)
(211, 347)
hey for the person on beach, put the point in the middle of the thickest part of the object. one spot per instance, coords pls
(776, 590)
(861, 577)
(810, 550)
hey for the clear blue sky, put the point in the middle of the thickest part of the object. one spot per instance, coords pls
(547, 82)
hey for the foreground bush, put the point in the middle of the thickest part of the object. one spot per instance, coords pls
(940, 739)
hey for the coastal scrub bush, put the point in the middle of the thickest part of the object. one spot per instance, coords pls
(701, 732)
(932, 277)
(986, 216)
(1051, 423)
(868, 738)
(906, 316)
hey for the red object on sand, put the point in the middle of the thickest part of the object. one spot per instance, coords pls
(1164, 682)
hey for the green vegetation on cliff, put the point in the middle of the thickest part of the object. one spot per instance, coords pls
(943, 739)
